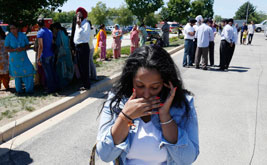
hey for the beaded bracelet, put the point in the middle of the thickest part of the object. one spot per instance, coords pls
(167, 122)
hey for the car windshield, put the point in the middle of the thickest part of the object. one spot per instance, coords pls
(174, 25)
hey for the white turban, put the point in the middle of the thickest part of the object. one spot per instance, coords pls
(199, 18)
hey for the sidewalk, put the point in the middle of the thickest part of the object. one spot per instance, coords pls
(232, 106)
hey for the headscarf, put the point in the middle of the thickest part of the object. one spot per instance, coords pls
(98, 38)
(117, 26)
(83, 11)
(118, 29)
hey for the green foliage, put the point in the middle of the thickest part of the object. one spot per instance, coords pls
(179, 10)
(208, 9)
(164, 14)
(25, 12)
(181, 37)
(142, 8)
(124, 16)
(64, 17)
(98, 14)
(197, 7)
(126, 50)
(151, 20)
(262, 16)
(241, 13)
(218, 18)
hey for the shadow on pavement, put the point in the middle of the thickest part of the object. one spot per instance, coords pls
(241, 70)
(239, 67)
(14, 157)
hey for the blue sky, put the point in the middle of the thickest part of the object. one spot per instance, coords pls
(224, 8)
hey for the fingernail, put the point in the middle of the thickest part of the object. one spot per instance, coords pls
(161, 104)
(175, 88)
(133, 90)
(156, 113)
(157, 97)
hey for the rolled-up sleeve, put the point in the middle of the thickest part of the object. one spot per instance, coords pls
(186, 150)
(106, 149)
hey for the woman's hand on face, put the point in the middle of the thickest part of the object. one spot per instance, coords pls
(139, 107)
(164, 110)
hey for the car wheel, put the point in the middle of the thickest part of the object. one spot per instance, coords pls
(258, 30)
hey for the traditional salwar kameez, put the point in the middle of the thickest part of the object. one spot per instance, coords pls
(4, 75)
(64, 64)
(101, 38)
(20, 66)
(134, 40)
(116, 45)
(143, 36)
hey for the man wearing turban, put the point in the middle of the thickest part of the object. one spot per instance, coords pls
(81, 40)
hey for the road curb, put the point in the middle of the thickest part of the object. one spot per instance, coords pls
(19, 126)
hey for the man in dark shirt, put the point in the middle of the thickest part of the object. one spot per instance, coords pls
(243, 28)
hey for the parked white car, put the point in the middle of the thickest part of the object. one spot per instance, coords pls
(261, 26)
(265, 31)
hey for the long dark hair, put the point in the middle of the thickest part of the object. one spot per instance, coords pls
(58, 26)
(2, 33)
(150, 57)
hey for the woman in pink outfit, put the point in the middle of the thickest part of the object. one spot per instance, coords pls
(101, 39)
(117, 35)
(134, 38)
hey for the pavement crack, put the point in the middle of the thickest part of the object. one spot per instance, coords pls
(257, 109)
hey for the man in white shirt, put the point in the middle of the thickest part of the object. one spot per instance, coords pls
(232, 49)
(226, 47)
(199, 19)
(251, 29)
(204, 36)
(81, 41)
(189, 34)
(211, 44)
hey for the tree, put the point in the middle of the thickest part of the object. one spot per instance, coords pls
(241, 13)
(124, 16)
(218, 18)
(164, 14)
(25, 12)
(151, 20)
(99, 13)
(202, 7)
(262, 16)
(63, 17)
(179, 10)
(142, 8)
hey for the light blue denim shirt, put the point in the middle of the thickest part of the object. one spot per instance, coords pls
(185, 151)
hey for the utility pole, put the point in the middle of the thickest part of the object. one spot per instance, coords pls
(247, 12)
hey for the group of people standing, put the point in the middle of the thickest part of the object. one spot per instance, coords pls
(247, 32)
(59, 58)
(199, 42)
(56, 60)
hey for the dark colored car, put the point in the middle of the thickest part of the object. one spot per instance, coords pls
(153, 33)
(129, 28)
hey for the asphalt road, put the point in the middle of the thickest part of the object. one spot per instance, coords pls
(231, 109)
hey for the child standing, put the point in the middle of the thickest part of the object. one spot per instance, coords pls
(245, 33)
